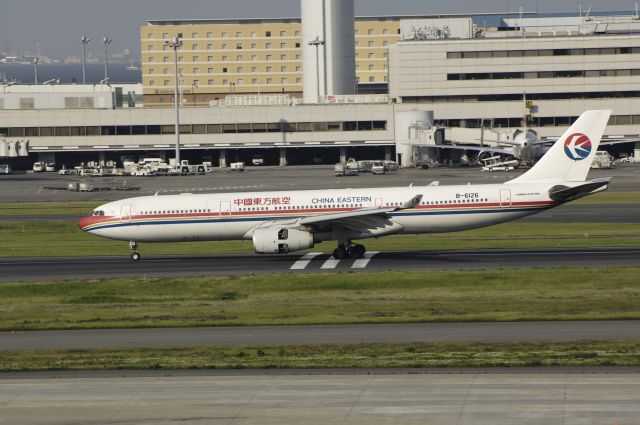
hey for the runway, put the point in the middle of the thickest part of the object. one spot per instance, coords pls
(54, 268)
(238, 336)
(462, 399)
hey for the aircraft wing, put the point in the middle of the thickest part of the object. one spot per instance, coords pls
(360, 221)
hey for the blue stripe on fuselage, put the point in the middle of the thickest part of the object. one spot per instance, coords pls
(289, 217)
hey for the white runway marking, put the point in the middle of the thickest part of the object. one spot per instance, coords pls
(364, 261)
(331, 263)
(304, 261)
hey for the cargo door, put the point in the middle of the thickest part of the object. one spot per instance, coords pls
(505, 198)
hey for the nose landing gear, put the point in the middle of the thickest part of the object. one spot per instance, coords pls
(135, 255)
(349, 250)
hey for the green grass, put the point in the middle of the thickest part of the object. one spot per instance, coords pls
(48, 208)
(414, 355)
(383, 297)
(85, 207)
(51, 238)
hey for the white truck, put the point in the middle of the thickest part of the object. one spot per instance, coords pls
(602, 160)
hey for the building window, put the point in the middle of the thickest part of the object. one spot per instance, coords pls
(240, 81)
(268, 57)
(165, 59)
(224, 70)
(239, 69)
(385, 31)
(283, 81)
(283, 45)
(371, 44)
(209, 46)
(369, 32)
(238, 34)
(150, 47)
(254, 58)
(224, 58)
(267, 34)
(166, 83)
(297, 33)
(298, 68)
(165, 35)
(254, 81)
(385, 43)
(196, 58)
(372, 56)
(253, 45)
(209, 35)
(283, 57)
(209, 58)
(210, 71)
(372, 79)
(239, 58)
(298, 80)
(267, 46)
(371, 67)
(196, 70)
(165, 71)
(210, 82)
(152, 83)
(223, 35)
(196, 83)
(269, 80)
(152, 71)
(269, 69)
(254, 69)
(254, 34)
(225, 82)
(239, 46)
(194, 35)
(224, 46)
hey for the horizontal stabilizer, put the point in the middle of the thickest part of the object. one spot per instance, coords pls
(562, 193)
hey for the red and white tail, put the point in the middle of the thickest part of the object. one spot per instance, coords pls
(570, 158)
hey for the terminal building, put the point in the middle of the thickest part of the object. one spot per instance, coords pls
(447, 77)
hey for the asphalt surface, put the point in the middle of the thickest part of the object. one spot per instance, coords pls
(319, 334)
(33, 187)
(376, 399)
(63, 268)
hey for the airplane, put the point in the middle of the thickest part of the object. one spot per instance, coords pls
(288, 221)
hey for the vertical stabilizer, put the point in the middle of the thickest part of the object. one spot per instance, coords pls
(570, 157)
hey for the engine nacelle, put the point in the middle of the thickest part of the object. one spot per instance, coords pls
(280, 240)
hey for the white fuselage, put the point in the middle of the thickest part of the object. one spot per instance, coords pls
(234, 216)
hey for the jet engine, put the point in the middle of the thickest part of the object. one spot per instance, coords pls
(281, 240)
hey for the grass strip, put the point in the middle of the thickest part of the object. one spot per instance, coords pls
(54, 238)
(413, 355)
(339, 298)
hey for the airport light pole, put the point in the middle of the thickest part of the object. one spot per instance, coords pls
(106, 42)
(85, 41)
(175, 44)
(36, 61)
(317, 43)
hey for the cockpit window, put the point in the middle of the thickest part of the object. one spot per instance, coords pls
(98, 213)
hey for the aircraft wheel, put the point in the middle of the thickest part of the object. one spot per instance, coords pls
(358, 251)
(340, 253)
(135, 256)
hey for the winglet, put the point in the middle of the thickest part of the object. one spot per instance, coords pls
(570, 158)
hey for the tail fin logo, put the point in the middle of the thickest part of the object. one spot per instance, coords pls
(577, 146)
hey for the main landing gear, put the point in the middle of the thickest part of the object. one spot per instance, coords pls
(349, 250)
(135, 255)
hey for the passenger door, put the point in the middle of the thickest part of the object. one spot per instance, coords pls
(225, 208)
(505, 198)
(125, 213)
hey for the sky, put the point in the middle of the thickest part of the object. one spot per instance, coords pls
(57, 25)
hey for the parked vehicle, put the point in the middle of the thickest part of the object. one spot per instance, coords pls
(602, 160)
(257, 160)
(5, 169)
(38, 167)
(378, 167)
(50, 167)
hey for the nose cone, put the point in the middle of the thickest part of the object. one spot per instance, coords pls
(85, 222)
